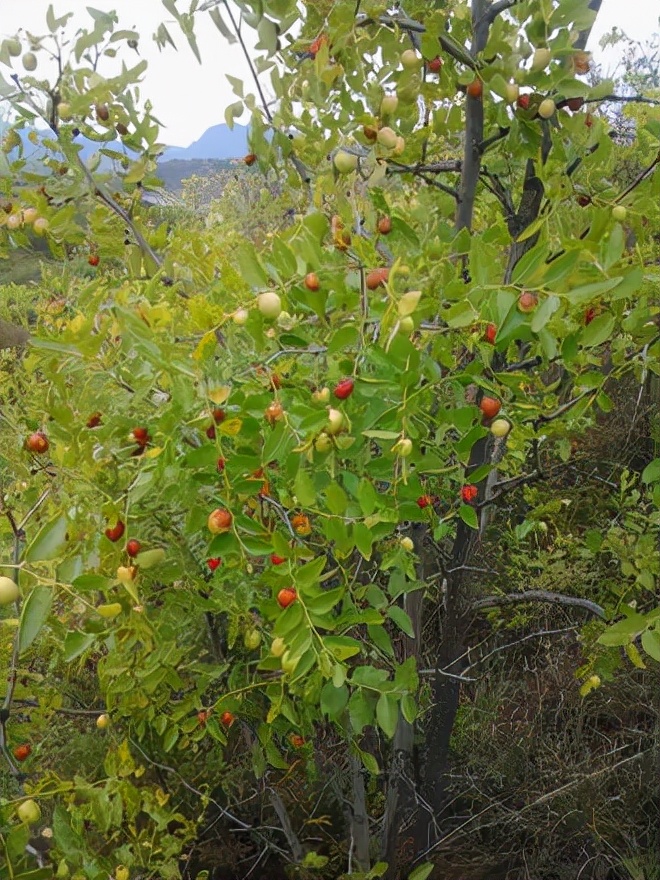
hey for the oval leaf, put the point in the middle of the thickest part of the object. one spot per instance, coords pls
(48, 541)
(33, 616)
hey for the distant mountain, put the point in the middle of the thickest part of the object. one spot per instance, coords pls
(217, 142)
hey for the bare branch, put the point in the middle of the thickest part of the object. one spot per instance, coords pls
(498, 8)
(291, 836)
(544, 596)
(451, 47)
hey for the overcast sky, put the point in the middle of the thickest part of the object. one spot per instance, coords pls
(187, 97)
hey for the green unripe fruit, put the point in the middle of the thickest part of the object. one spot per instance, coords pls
(388, 105)
(29, 812)
(500, 428)
(619, 213)
(30, 61)
(270, 305)
(278, 647)
(345, 162)
(387, 138)
(546, 108)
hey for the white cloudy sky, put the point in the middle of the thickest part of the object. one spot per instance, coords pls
(187, 97)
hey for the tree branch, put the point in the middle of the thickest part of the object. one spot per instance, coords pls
(451, 47)
(544, 596)
(498, 8)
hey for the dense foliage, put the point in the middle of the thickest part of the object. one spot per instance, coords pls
(266, 477)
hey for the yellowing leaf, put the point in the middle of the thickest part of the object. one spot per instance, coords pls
(154, 452)
(231, 427)
(205, 346)
(219, 394)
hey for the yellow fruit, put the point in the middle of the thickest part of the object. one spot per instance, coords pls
(103, 721)
(122, 872)
(512, 92)
(126, 574)
(387, 138)
(40, 225)
(289, 663)
(269, 304)
(399, 146)
(323, 443)
(64, 111)
(403, 447)
(335, 421)
(388, 105)
(30, 215)
(541, 59)
(240, 317)
(411, 60)
(406, 326)
(500, 428)
(546, 108)
(277, 647)
(109, 611)
(407, 544)
(9, 591)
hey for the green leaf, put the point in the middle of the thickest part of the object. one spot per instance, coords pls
(421, 872)
(598, 331)
(544, 312)
(48, 542)
(76, 643)
(469, 516)
(326, 601)
(336, 499)
(333, 699)
(367, 497)
(402, 620)
(387, 714)
(342, 647)
(651, 473)
(34, 614)
(651, 643)
(92, 582)
(363, 538)
(408, 708)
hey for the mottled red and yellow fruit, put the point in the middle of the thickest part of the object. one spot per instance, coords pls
(385, 225)
(250, 159)
(312, 281)
(377, 278)
(490, 407)
(227, 719)
(475, 89)
(219, 520)
(37, 442)
(296, 740)
(286, 596)
(469, 493)
(301, 524)
(274, 412)
(527, 301)
(22, 752)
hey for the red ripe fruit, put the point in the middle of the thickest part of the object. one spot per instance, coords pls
(589, 315)
(210, 432)
(469, 493)
(133, 547)
(214, 562)
(385, 225)
(94, 260)
(250, 159)
(523, 102)
(22, 752)
(296, 740)
(219, 415)
(490, 407)
(140, 435)
(94, 420)
(584, 201)
(435, 65)
(277, 560)
(286, 596)
(425, 501)
(220, 466)
(344, 389)
(203, 717)
(588, 120)
(37, 442)
(312, 282)
(475, 89)
(490, 333)
(115, 533)
(227, 719)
